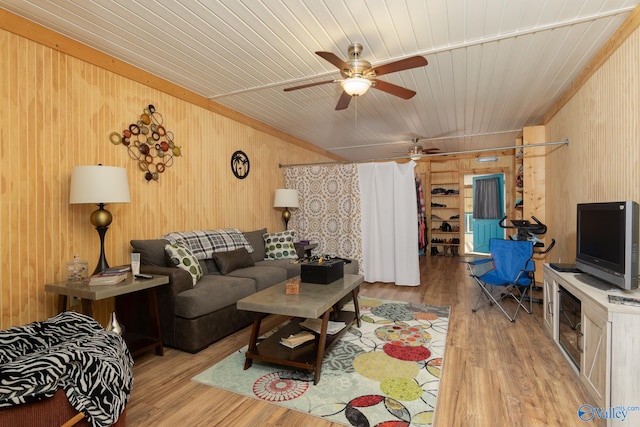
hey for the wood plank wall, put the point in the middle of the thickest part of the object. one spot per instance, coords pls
(533, 195)
(601, 162)
(56, 112)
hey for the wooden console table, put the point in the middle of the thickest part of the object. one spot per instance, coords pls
(313, 301)
(89, 294)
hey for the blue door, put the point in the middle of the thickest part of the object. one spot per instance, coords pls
(488, 210)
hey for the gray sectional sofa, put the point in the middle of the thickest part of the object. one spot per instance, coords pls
(194, 316)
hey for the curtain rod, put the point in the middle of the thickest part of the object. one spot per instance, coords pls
(479, 150)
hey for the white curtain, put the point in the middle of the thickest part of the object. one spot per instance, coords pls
(389, 225)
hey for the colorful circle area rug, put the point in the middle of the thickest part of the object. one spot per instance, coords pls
(386, 372)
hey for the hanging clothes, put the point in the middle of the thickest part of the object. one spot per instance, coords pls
(422, 217)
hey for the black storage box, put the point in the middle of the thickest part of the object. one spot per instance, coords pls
(323, 273)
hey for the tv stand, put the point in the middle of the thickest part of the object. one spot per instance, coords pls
(590, 280)
(609, 342)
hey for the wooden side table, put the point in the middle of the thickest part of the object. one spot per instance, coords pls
(89, 294)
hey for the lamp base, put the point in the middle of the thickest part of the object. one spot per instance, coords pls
(102, 261)
(286, 216)
(101, 219)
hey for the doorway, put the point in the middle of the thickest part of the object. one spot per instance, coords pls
(481, 226)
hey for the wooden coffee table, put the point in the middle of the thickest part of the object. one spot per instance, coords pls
(314, 301)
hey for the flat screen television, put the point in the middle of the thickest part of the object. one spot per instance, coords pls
(607, 242)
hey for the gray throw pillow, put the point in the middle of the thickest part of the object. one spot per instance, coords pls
(151, 251)
(232, 260)
(257, 242)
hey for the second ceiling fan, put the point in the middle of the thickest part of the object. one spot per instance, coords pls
(359, 75)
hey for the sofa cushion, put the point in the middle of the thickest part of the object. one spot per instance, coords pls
(256, 240)
(263, 277)
(293, 268)
(279, 245)
(183, 258)
(211, 266)
(151, 251)
(212, 293)
(203, 266)
(232, 260)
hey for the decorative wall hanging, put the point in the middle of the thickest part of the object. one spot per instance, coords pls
(149, 143)
(240, 164)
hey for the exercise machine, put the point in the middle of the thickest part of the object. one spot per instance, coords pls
(527, 230)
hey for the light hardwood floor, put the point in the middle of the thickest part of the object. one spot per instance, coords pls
(496, 373)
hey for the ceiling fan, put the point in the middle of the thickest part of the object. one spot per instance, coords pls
(359, 75)
(416, 151)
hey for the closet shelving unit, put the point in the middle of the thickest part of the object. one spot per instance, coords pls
(519, 180)
(445, 207)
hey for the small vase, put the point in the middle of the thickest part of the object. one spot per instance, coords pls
(114, 325)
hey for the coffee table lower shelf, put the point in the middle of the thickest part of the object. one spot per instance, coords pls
(307, 356)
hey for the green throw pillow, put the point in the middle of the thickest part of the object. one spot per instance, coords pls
(182, 257)
(279, 245)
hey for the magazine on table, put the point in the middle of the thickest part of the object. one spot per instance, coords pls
(116, 270)
(316, 324)
(616, 299)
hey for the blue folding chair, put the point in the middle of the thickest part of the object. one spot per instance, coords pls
(510, 274)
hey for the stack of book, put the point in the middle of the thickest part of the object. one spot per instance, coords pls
(295, 340)
(110, 276)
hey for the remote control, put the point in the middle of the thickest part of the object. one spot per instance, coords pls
(144, 276)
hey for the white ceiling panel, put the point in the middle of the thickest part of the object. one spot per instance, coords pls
(495, 66)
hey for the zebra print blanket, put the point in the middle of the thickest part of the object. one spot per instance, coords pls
(69, 351)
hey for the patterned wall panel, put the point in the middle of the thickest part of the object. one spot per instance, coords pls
(329, 212)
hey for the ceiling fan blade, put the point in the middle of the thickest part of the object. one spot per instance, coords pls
(403, 64)
(287, 89)
(392, 89)
(334, 59)
(344, 101)
(430, 150)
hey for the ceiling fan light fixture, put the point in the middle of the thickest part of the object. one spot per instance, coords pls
(415, 152)
(356, 86)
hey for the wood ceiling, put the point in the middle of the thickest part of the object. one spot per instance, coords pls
(495, 66)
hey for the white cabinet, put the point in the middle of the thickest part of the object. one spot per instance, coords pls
(595, 338)
(608, 342)
(549, 290)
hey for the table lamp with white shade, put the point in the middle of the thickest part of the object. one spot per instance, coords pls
(99, 185)
(286, 198)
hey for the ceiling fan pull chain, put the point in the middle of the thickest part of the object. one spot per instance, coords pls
(355, 121)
